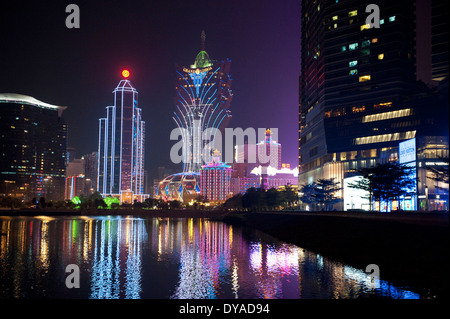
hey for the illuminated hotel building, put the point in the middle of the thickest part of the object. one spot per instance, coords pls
(121, 146)
(265, 153)
(33, 148)
(215, 180)
(203, 98)
(358, 91)
(269, 149)
(202, 101)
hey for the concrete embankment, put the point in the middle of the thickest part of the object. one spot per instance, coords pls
(411, 249)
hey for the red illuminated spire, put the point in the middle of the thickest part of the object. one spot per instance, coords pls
(125, 73)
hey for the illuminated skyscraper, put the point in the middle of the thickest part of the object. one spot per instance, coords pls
(215, 180)
(203, 98)
(32, 148)
(121, 146)
(359, 97)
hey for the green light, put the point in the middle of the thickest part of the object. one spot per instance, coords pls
(111, 200)
(76, 200)
(202, 60)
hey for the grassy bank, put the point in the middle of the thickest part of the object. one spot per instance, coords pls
(410, 249)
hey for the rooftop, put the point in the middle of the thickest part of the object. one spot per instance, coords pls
(25, 99)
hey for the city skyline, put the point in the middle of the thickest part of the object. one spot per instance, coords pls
(89, 60)
(228, 149)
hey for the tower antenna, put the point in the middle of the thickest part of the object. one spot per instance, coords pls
(203, 40)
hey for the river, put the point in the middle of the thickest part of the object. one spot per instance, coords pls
(126, 257)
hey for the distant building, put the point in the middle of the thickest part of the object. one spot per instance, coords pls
(91, 172)
(215, 180)
(81, 176)
(32, 148)
(182, 187)
(266, 178)
(266, 152)
(260, 166)
(269, 151)
(75, 186)
(75, 167)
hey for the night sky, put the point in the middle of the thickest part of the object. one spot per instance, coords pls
(79, 68)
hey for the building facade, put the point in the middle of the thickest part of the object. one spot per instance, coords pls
(33, 148)
(269, 151)
(358, 91)
(121, 146)
(266, 178)
(215, 180)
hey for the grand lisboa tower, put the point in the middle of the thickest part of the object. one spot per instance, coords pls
(202, 101)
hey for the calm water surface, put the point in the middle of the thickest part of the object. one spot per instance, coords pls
(129, 257)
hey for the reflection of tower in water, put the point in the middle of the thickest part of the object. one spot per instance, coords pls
(116, 270)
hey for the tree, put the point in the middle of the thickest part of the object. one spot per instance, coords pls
(234, 202)
(307, 194)
(175, 204)
(386, 182)
(42, 202)
(253, 198)
(273, 198)
(321, 192)
(290, 196)
(325, 192)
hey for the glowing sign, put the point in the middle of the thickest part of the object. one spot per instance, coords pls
(125, 73)
(407, 151)
(197, 71)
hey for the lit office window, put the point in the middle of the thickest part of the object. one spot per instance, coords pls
(381, 56)
(353, 13)
(386, 115)
(364, 78)
(384, 138)
(392, 19)
(353, 46)
(365, 27)
(353, 63)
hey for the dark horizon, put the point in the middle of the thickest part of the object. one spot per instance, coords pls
(79, 68)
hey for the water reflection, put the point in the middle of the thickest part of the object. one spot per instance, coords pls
(116, 261)
(127, 257)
